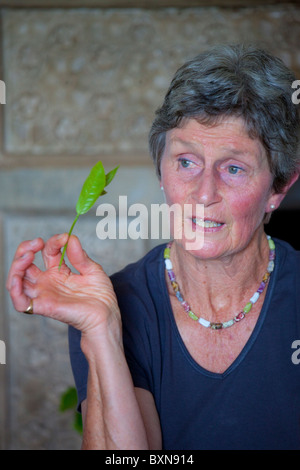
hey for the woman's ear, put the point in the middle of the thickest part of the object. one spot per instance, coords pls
(276, 198)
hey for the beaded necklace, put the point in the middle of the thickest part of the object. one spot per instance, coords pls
(238, 317)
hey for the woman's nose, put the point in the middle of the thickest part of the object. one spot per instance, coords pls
(207, 191)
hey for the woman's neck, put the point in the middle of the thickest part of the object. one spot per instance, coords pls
(220, 287)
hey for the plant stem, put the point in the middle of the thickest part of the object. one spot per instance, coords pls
(65, 247)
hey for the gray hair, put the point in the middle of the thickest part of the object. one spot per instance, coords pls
(241, 81)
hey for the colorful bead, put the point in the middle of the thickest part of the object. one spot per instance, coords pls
(266, 277)
(270, 266)
(216, 326)
(247, 307)
(185, 306)
(192, 315)
(228, 323)
(242, 314)
(204, 322)
(255, 297)
(179, 296)
(168, 264)
(239, 317)
(175, 286)
(272, 255)
(271, 244)
(261, 287)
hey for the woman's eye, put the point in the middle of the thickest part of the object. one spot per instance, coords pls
(184, 162)
(234, 170)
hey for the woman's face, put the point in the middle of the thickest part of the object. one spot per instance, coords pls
(227, 172)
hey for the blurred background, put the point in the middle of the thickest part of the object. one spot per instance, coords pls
(83, 80)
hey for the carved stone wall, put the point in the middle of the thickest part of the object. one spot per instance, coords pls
(86, 82)
(83, 85)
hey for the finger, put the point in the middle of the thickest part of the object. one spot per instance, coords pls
(52, 250)
(32, 273)
(78, 257)
(19, 267)
(20, 300)
(20, 261)
(34, 245)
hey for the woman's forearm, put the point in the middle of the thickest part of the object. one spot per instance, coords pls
(87, 301)
(112, 419)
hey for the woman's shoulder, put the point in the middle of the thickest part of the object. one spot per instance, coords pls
(138, 288)
(288, 258)
(139, 272)
(286, 249)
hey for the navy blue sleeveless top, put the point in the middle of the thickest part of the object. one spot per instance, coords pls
(254, 404)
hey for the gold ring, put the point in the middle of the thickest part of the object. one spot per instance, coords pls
(29, 310)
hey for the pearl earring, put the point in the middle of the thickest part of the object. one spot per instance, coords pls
(162, 188)
(272, 207)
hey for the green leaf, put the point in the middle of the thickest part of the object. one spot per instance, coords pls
(68, 399)
(91, 189)
(77, 423)
(110, 175)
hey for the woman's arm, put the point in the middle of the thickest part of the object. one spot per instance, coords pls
(111, 414)
(149, 415)
(113, 418)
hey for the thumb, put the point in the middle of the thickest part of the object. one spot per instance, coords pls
(78, 257)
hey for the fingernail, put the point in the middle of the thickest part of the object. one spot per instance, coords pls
(33, 242)
(62, 235)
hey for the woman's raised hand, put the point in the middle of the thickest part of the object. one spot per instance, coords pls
(85, 300)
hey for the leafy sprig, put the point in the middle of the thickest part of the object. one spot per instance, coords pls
(92, 189)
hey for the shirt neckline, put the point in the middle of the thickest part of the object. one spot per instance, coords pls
(255, 333)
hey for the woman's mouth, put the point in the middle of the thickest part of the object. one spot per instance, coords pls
(206, 223)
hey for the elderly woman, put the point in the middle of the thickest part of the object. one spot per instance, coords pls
(191, 348)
